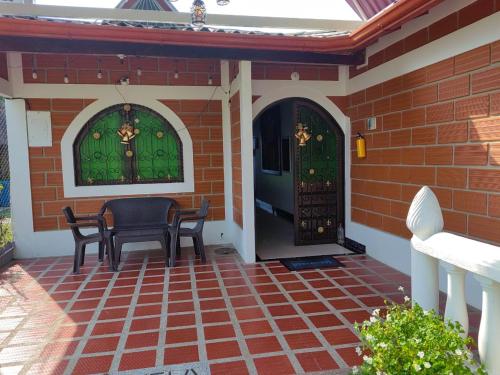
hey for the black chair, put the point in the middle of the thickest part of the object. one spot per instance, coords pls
(81, 240)
(176, 231)
(138, 220)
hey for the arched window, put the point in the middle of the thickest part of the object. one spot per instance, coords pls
(127, 144)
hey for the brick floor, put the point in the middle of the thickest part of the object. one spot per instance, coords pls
(224, 317)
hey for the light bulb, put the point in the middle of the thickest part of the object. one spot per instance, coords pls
(222, 2)
(34, 74)
(139, 72)
(176, 75)
(66, 78)
(210, 81)
(99, 75)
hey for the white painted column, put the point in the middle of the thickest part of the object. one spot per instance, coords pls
(456, 306)
(20, 195)
(424, 220)
(227, 150)
(489, 329)
(247, 172)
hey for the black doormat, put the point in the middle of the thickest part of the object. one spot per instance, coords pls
(306, 263)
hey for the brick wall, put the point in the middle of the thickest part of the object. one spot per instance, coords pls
(236, 159)
(453, 22)
(282, 71)
(46, 170)
(51, 68)
(437, 126)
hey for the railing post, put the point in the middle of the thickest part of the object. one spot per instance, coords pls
(456, 305)
(489, 329)
(424, 220)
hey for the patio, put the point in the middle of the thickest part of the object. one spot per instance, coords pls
(228, 316)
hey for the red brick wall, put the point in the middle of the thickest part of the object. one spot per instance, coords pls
(46, 171)
(236, 159)
(282, 71)
(3, 66)
(437, 126)
(453, 22)
(83, 69)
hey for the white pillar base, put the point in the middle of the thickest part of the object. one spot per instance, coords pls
(489, 330)
(456, 306)
(424, 280)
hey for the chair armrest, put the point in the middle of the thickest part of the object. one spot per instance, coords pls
(92, 221)
(85, 225)
(89, 218)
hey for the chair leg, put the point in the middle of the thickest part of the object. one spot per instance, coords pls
(173, 249)
(110, 249)
(178, 247)
(101, 250)
(76, 260)
(164, 242)
(82, 256)
(196, 246)
(117, 253)
(201, 248)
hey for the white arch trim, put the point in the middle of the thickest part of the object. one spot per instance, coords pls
(294, 91)
(68, 166)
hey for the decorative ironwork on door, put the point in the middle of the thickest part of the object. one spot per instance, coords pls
(127, 144)
(319, 176)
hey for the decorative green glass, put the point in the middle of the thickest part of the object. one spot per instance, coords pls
(153, 155)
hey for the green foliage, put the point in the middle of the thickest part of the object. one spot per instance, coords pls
(5, 228)
(413, 341)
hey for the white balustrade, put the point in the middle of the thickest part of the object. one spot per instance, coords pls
(457, 255)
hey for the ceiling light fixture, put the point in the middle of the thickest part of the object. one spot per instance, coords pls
(199, 12)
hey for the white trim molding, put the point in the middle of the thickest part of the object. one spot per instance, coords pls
(5, 88)
(68, 166)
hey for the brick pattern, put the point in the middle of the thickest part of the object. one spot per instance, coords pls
(437, 126)
(236, 159)
(282, 71)
(3, 66)
(84, 69)
(472, 13)
(46, 170)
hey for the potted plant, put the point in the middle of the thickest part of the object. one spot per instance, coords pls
(410, 340)
(6, 237)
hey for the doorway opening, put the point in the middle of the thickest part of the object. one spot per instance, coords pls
(299, 181)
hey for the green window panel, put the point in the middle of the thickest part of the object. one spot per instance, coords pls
(317, 157)
(154, 155)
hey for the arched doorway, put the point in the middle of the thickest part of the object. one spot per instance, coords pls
(299, 186)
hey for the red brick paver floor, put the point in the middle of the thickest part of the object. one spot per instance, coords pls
(225, 317)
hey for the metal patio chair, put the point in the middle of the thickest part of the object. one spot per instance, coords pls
(82, 240)
(138, 220)
(176, 231)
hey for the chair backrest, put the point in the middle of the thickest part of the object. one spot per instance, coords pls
(203, 212)
(70, 219)
(148, 211)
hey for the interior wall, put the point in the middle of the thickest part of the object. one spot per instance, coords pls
(277, 190)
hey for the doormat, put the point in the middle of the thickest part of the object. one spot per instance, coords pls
(307, 263)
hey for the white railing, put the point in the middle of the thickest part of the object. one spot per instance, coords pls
(457, 255)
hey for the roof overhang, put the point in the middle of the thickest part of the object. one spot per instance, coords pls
(28, 35)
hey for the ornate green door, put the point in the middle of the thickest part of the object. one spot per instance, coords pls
(319, 177)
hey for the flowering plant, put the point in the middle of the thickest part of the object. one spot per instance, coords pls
(413, 341)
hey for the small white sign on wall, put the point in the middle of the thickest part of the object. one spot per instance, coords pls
(39, 129)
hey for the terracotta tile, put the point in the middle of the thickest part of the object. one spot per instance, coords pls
(294, 286)
(313, 307)
(177, 336)
(225, 349)
(350, 356)
(212, 304)
(138, 360)
(182, 320)
(108, 328)
(326, 320)
(331, 293)
(233, 368)
(255, 327)
(343, 303)
(215, 317)
(261, 345)
(93, 365)
(340, 336)
(178, 307)
(302, 341)
(180, 296)
(219, 332)
(239, 291)
(303, 296)
(145, 324)
(141, 340)
(316, 361)
(282, 310)
(277, 365)
(148, 310)
(270, 299)
(356, 316)
(209, 293)
(107, 344)
(181, 354)
(150, 298)
(249, 313)
(119, 313)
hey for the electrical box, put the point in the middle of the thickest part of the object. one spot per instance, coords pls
(39, 129)
(371, 123)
